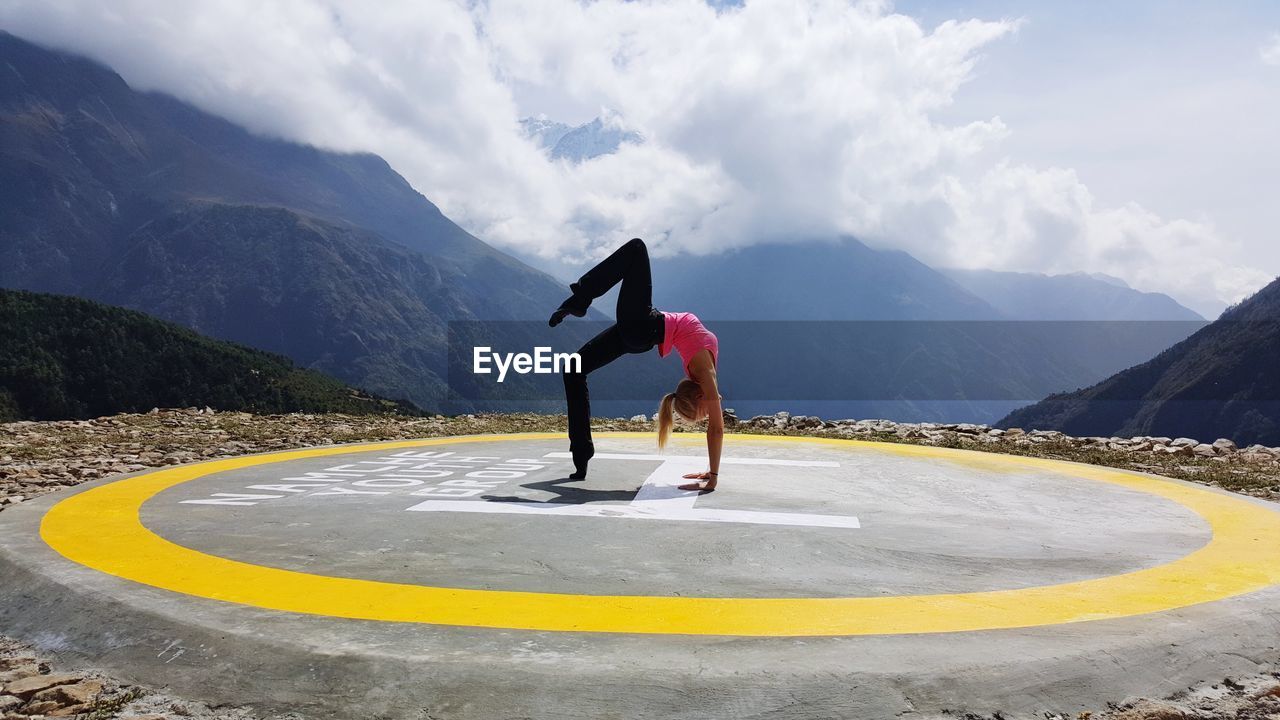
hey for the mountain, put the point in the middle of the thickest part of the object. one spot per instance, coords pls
(64, 357)
(544, 131)
(1074, 296)
(1220, 382)
(837, 279)
(838, 328)
(576, 144)
(139, 200)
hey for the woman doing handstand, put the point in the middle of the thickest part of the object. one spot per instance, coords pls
(639, 328)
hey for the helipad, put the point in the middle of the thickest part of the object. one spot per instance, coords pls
(467, 577)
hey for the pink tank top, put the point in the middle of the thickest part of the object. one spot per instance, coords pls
(684, 332)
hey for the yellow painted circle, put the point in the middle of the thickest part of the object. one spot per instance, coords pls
(100, 528)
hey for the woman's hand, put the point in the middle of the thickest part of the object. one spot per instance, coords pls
(707, 484)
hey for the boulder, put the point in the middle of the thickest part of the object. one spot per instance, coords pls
(1184, 442)
(17, 668)
(1224, 444)
(1145, 709)
(1205, 450)
(65, 696)
(27, 687)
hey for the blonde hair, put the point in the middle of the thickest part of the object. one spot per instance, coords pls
(684, 401)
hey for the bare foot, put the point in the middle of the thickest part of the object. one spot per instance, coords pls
(705, 486)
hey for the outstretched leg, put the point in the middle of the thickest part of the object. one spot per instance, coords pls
(628, 265)
(596, 353)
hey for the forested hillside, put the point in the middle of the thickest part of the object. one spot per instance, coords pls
(64, 357)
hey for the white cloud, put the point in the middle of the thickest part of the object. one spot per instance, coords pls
(1021, 218)
(1270, 50)
(779, 118)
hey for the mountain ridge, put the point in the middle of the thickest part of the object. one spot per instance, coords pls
(1219, 382)
(1070, 296)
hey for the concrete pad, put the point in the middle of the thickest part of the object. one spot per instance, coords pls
(468, 578)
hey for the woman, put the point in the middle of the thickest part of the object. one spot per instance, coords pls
(639, 328)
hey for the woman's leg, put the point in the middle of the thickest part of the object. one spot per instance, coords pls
(628, 265)
(596, 353)
(638, 328)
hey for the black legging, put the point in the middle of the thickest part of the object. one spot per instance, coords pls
(638, 329)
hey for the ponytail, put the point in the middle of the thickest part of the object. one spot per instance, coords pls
(683, 401)
(666, 418)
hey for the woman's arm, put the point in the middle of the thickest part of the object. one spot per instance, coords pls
(704, 373)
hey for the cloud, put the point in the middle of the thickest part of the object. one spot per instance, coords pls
(771, 120)
(1018, 217)
(1270, 50)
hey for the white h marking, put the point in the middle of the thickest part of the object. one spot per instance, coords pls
(659, 498)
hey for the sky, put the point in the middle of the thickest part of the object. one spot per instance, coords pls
(1134, 139)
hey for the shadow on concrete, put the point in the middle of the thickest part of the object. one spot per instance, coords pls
(565, 495)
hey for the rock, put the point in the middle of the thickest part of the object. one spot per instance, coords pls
(1184, 442)
(65, 696)
(17, 669)
(13, 662)
(1145, 709)
(9, 703)
(42, 708)
(639, 418)
(1224, 444)
(1204, 450)
(27, 687)
(1272, 691)
(1014, 432)
(72, 711)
